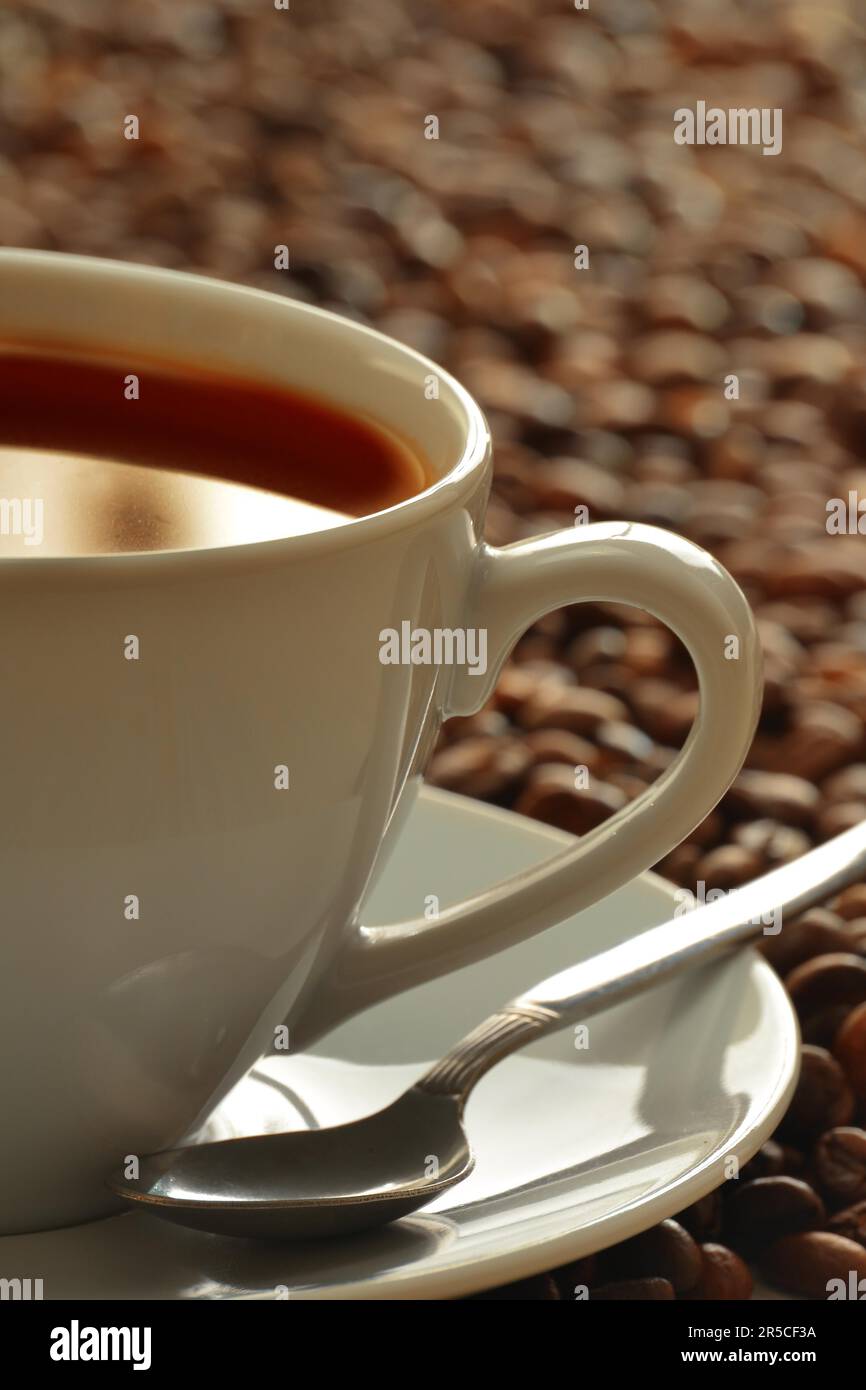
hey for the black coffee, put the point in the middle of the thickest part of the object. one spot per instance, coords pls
(99, 456)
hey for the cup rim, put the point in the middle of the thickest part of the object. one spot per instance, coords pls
(442, 495)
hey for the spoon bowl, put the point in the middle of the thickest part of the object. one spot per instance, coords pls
(343, 1179)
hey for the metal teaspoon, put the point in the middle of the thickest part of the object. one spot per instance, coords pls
(328, 1182)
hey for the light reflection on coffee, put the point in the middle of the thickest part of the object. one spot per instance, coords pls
(63, 504)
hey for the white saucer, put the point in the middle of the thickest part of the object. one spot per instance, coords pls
(576, 1149)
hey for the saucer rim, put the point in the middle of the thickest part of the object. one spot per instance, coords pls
(476, 1273)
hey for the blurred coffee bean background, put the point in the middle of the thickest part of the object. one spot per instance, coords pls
(607, 381)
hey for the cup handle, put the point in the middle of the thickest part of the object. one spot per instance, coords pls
(618, 562)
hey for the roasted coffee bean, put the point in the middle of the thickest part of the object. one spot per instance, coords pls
(610, 676)
(599, 644)
(848, 785)
(484, 767)
(820, 286)
(515, 687)
(801, 355)
(649, 650)
(849, 1049)
(574, 708)
(821, 1028)
(761, 1211)
(665, 712)
(703, 1219)
(687, 301)
(822, 1099)
(658, 760)
(630, 1290)
(826, 981)
(555, 625)
(563, 484)
(487, 723)
(632, 785)
(836, 819)
(538, 671)
(808, 570)
(560, 746)
(774, 796)
(680, 865)
(774, 843)
(729, 866)
(794, 1161)
(671, 356)
(855, 935)
(766, 1163)
(666, 1250)
(724, 1275)
(535, 648)
(815, 1264)
(806, 620)
(550, 795)
(851, 902)
(850, 1223)
(840, 1164)
(708, 832)
(816, 933)
(658, 504)
(621, 743)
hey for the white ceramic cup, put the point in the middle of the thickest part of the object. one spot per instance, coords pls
(156, 778)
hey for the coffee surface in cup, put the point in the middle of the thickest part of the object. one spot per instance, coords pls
(100, 454)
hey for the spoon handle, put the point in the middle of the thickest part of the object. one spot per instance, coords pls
(653, 956)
